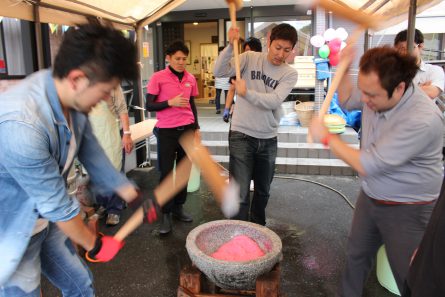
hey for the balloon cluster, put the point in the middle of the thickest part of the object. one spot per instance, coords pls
(330, 44)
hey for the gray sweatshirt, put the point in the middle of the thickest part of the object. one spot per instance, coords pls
(258, 113)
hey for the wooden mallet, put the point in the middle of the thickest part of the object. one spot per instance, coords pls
(364, 21)
(235, 5)
(227, 195)
(163, 193)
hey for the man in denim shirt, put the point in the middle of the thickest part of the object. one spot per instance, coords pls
(43, 126)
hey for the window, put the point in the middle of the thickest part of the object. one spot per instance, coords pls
(2, 51)
(16, 52)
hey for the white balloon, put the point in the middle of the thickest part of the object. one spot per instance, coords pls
(343, 45)
(341, 33)
(329, 34)
(317, 40)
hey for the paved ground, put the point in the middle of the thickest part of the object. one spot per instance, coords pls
(312, 222)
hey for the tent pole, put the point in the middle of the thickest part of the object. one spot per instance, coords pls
(38, 35)
(411, 25)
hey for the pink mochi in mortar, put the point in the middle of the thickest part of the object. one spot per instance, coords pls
(239, 249)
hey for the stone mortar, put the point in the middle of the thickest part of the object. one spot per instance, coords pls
(205, 239)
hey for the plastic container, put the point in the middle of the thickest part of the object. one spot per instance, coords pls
(384, 272)
(194, 180)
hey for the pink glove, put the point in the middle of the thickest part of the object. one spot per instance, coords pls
(105, 249)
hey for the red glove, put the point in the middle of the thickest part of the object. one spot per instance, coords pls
(105, 249)
(150, 206)
(151, 209)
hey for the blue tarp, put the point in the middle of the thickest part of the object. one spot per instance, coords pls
(352, 118)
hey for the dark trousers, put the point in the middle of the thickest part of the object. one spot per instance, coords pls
(252, 158)
(169, 151)
(399, 227)
(218, 98)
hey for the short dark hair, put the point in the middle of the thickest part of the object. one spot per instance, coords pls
(391, 67)
(177, 46)
(101, 51)
(254, 44)
(403, 36)
(285, 32)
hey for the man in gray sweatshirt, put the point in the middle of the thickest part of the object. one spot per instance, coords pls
(265, 83)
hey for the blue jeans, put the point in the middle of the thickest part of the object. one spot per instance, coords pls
(50, 252)
(218, 98)
(252, 158)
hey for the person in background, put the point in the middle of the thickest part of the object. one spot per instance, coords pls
(251, 44)
(427, 273)
(266, 81)
(430, 78)
(398, 162)
(116, 141)
(171, 93)
(45, 118)
(221, 84)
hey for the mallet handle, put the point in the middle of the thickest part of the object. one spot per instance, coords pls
(200, 156)
(339, 73)
(164, 192)
(232, 11)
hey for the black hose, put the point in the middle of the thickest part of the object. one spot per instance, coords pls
(320, 184)
(309, 181)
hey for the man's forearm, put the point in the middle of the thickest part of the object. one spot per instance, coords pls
(127, 192)
(345, 89)
(223, 65)
(78, 232)
(349, 155)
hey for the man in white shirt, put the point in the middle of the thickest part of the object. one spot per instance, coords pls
(430, 77)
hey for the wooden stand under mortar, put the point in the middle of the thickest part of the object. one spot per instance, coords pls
(191, 281)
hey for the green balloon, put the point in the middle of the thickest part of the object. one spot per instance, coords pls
(324, 51)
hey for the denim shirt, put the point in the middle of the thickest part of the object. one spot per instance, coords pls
(34, 143)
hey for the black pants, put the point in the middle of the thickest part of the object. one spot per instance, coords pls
(169, 151)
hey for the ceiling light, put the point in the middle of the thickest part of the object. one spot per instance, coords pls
(195, 23)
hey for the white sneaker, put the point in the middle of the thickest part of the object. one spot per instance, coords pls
(112, 219)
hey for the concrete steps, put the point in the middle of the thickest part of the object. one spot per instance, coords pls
(294, 156)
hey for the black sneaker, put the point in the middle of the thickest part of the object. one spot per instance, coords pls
(218, 111)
